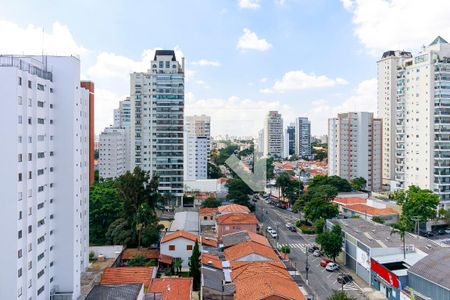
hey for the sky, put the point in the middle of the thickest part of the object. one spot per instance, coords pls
(312, 58)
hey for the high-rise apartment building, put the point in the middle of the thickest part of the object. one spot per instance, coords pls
(157, 117)
(45, 177)
(122, 115)
(113, 152)
(259, 149)
(303, 137)
(354, 147)
(89, 85)
(197, 147)
(273, 135)
(290, 132)
(387, 104)
(422, 119)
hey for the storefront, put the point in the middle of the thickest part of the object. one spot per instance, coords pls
(385, 281)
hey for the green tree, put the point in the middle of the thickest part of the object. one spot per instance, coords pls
(239, 192)
(378, 219)
(211, 202)
(104, 208)
(339, 295)
(225, 153)
(339, 183)
(319, 225)
(285, 249)
(289, 188)
(331, 241)
(416, 203)
(194, 266)
(137, 261)
(318, 203)
(358, 183)
(214, 171)
(401, 229)
(177, 265)
(269, 168)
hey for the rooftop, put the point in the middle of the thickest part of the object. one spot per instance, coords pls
(237, 218)
(185, 220)
(241, 250)
(129, 253)
(179, 234)
(127, 275)
(434, 267)
(371, 211)
(233, 208)
(207, 210)
(213, 279)
(234, 238)
(438, 40)
(351, 200)
(165, 52)
(172, 288)
(114, 292)
(211, 260)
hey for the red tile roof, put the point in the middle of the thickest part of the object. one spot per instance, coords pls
(172, 288)
(351, 200)
(261, 280)
(129, 253)
(238, 251)
(207, 210)
(260, 239)
(371, 211)
(165, 259)
(209, 242)
(179, 234)
(212, 260)
(233, 208)
(125, 275)
(237, 218)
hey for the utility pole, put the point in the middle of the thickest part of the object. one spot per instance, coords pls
(307, 264)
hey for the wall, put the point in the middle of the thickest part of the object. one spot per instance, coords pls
(427, 288)
(225, 229)
(180, 250)
(108, 251)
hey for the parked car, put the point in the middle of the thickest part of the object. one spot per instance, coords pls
(447, 230)
(312, 249)
(316, 253)
(344, 278)
(331, 267)
(441, 232)
(324, 262)
(290, 227)
(428, 234)
(269, 229)
(274, 234)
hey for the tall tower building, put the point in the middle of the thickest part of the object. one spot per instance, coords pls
(273, 135)
(45, 177)
(303, 137)
(387, 107)
(113, 152)
(291, 138)
(157, 117)
(260, 143)
(122, 115)
(422, 125)
(354, 147)
(197, 147)
(89, 86)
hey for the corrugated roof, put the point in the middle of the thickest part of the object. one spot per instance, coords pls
(351, 200)
(435, 267)
(185, 220)
(371, 211)
(114, 292)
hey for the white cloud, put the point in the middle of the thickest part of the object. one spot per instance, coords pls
(250, 41)
(362, 98)
(264, 79)
(205, 62)
(382, 25)
(252, 4)
(105, 102)
(32, 40)
(280, 2)
(348, 4)
(299, 80)
(266, 91)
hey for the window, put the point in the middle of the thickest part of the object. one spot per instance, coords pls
(171, 247)
(41, 155)
(30, 265)
(19, 253)
(29, 84)
(19, 273)
(19, 234)
(189, 247)
(41, 222)
(30, 247)
(20, 215)
(41, 272)
(20, 80)
(40, 205)
(40, 121)
(40, 104)
(41, 240)
(19, 177)
(51, 91)
(29, 121)
(30, 102)
(40, 172)
(19, 119)
(19, 100)
(40, 87)
(19, 157)
(40, 256)
(30, 229)
(30, 156)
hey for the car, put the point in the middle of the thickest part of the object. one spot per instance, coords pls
(316, 253)
(331, 266)
(274, 234)
(428, 234)
(292, 228)
(324, 262)
(447, 230)
(441, 232)
(344, 278)
(312, 249)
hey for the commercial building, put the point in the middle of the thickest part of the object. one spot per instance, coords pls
(303, 138)
(290, 136)
(45, 177)
(89, 85)
(273, 135)
(422, 117)
(113, 152)
(354, 147)
(157, 122)
(197, 147)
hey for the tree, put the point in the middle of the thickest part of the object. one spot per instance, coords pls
(319, 224)
(401, 229)
(214, 171)
(177, 264)
(239, 191)
(416, 203)
(318, 203)
(358, 183)
(211, 202)
(331, 241)
(269, 168)
(104, 208)
(378, 219)
(137, 261)
(194, 266)
(339, 295)
(289, 188)
(339, 183)
(285, 249)
(225, 153)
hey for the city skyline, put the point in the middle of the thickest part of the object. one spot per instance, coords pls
(294, 56)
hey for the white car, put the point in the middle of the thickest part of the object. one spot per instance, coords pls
(316, 253)
(331, 267)
(269, 229)
(447, 231)
(274, 234)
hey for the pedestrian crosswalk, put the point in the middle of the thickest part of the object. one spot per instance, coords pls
(302, 246)
(351, 286)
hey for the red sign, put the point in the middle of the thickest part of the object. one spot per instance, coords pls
(384, 273)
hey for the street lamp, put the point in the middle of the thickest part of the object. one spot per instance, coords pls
(307, 264)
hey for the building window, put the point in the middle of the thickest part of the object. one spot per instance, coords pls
(20, 80)
(19, 158)
(29, 84)
(19, 234)
(30, 265)
(19, 273)
(41, 289)
(19, 177)
(40, 256)
(30, 229)
(171, 247)
(19, 100)
(188, 247)
(40, 87)
(19, 119)
(19, 253)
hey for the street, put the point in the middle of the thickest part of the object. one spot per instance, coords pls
(320, 281)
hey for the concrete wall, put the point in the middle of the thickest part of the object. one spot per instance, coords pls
(108, 251)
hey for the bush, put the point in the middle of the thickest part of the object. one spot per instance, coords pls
(378, 219)
(91, 255)
(307, 229)
(300, 223)
(286, 249)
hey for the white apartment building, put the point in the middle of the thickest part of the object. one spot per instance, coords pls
(113, 152)
(157, 117)
(387, 102)
(122, 115)
(273, 135)
(422, 121)
(260, 143)
(303, 137)
(354, 147)
(45, 177)
(197, 147)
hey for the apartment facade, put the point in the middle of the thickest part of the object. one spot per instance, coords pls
(45, 177)
(90, 87)
(303, 137)
(260, 143)
(122, 115)
(273, 135)
(197, 147)
(354, 147)
(113, 152)
(157, 122)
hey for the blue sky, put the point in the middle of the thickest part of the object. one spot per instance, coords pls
(243, 57)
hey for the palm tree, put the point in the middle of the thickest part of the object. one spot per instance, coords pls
(177, 264)
(339, 295)
(401, 229)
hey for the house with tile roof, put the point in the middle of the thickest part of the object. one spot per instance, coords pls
(367, 208)
(250, 251)
(234, 222)
(233, 208)
(171, 288)
(207, 217)
(128, 275)
(234, 238)
(179, 245)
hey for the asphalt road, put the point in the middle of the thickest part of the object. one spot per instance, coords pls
(319, 280)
